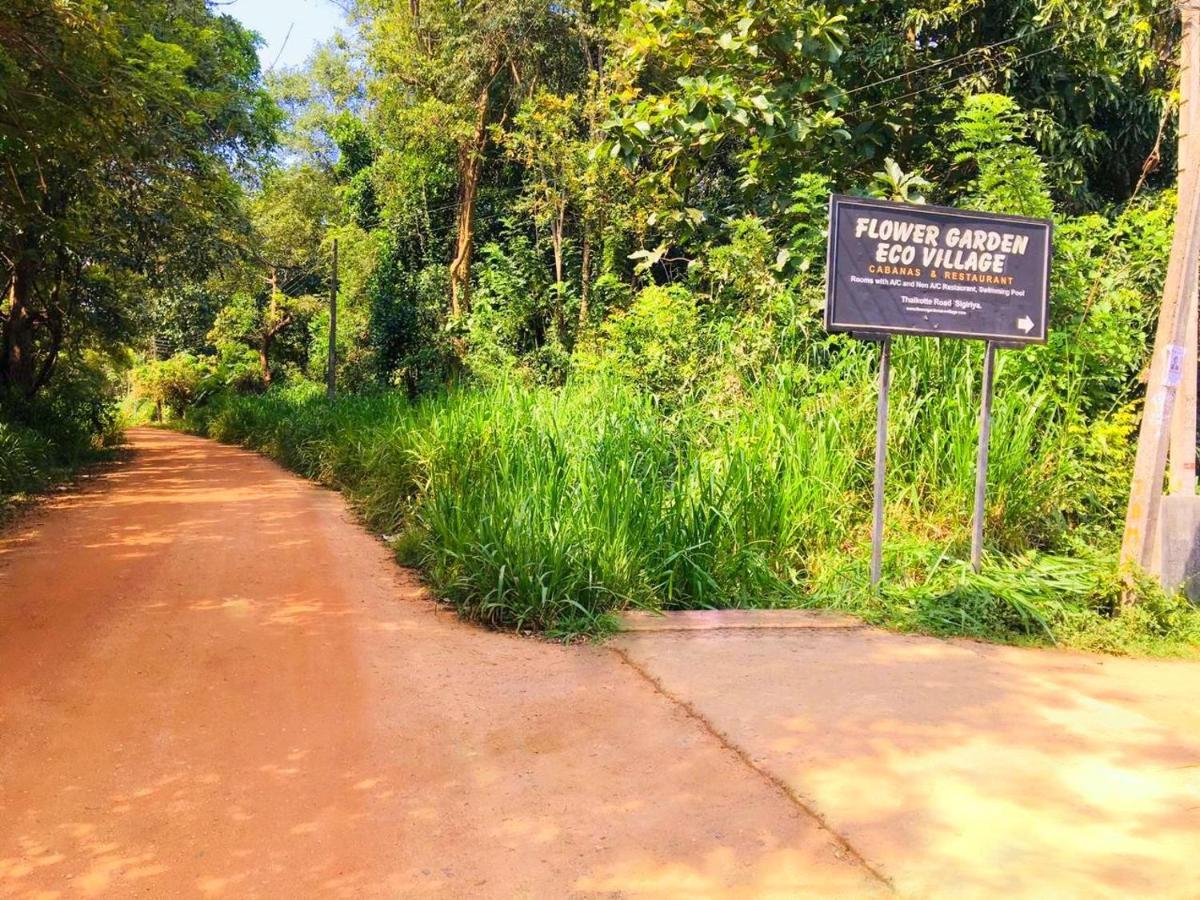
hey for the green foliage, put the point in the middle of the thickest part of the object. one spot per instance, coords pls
(893, 183)
(290, 215)
(407, 340)
(272, 326)
(323, 102)
(548, 509)
(24, 456)
(655, 344)
(174, 384)
(71, 423)
(747, 82)
(121, 125)
(1093, 77)
(1010, 178)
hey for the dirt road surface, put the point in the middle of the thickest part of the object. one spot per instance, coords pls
(213, 683)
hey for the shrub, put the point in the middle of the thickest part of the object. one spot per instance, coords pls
(656, 344)
(543, 509)
(174, 384)
(69, 424)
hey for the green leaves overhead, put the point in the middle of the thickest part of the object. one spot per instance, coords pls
(122, 126)
(749, 83)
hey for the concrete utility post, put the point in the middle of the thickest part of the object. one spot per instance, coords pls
(1182, 452)
(1166, 423)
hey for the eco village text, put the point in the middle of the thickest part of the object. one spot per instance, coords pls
(976, 255)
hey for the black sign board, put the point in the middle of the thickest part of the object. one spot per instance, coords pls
(898, 268)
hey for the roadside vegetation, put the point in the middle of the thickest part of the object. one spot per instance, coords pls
(549, 509)
(580, 360)
(47, 439)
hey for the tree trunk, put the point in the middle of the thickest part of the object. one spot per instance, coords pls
(264, 359)
(470, 163)
(16, 366)
(268, 332)
(585, 281)
(55, 321)
(557, 227)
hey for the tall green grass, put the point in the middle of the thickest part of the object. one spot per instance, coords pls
(548, 510)
(24, 460)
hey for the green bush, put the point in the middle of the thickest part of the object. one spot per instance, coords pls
(24, 457)
(657, 343)
(172, 384)
(542, 509)
(69, 424)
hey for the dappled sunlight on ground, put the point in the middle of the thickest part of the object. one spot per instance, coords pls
(213, 684)
(961, 768)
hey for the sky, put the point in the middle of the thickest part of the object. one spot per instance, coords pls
(310, 22)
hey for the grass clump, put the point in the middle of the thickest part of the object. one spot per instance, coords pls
(549, 509)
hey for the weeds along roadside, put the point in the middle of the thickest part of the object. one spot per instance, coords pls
(47, 440)
(549, 510)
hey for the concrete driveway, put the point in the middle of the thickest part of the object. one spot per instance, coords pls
(953, 768)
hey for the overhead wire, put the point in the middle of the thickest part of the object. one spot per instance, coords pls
(953, 60)
(964, 76)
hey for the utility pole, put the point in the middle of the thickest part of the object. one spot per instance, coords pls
(1181, 478)
(331, 370)
(1167, 367)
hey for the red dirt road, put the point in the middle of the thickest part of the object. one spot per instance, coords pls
(213, 683)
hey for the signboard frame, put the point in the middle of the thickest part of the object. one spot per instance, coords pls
(883, 332)
(837, 202)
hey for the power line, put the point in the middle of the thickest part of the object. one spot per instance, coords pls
(952, 61)
(287, 37)
(962, 77)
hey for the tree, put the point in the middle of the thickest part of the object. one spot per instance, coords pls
(451, 70)
(742, 91)
(317, 99)
(291, 216)
(119, 126)
(545, 138)
(1093, 79)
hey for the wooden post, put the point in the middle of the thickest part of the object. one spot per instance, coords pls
(1166, 367)
(331, 370)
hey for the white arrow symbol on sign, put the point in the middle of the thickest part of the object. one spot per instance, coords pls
(1025, 324)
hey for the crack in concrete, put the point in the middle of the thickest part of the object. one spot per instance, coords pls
(803, 805)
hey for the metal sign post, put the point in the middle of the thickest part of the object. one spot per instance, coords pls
(900, 268)
(881, 428)
(981, 465)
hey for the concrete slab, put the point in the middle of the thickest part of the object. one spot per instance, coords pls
(956, 768)
(723, 619)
